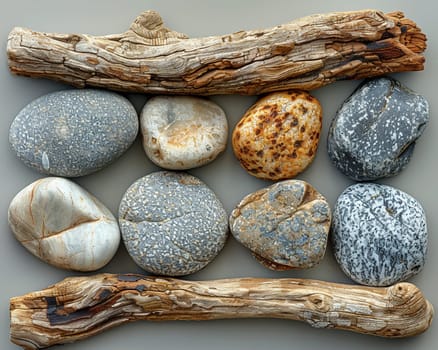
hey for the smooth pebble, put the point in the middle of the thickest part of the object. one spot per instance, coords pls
(172, 223)
(278, 136)
(373, 134)
(183, 132)
(73, 132)
(379, 234)
(64, 225)
(285, 225)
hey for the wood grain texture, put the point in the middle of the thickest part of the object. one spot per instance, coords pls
(305, 54)
(79, 307)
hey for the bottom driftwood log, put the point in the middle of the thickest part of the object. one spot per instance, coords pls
(79, 307)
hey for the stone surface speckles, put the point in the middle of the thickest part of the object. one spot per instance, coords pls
(172, 223)
(64, 225)
(374, 132)
(183, 132)
(278, 136)
(285, 225)
(73, 132)
(379, 234)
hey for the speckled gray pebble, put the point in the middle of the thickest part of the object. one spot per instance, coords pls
(172, 224)
(285, 225)
(374, 132)
(73, 132)
(379, 234)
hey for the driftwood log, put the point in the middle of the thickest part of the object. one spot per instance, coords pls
(305, 54)
(79, 307)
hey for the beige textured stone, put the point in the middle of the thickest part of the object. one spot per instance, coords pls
(183, 132)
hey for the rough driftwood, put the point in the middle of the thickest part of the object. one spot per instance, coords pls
(79, 307)
(305, 54)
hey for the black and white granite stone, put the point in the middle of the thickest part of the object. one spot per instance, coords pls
(374, 132)
(379, 234)
(285, 225)
(172, 223)
(73, 132)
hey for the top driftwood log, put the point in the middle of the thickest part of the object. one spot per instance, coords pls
(306, 54)
(79, 307)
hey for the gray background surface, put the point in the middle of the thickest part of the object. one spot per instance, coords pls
(21, 272)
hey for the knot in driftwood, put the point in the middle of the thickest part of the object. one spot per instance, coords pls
(149, 25)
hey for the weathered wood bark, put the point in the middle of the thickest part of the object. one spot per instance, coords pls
(305, 54)
(79, 307)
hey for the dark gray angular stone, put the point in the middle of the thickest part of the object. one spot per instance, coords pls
(73, 132)
(285, 225)
(374, 132)
(379, 234)
(172, 223)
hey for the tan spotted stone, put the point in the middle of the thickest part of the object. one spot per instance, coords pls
(278, 136)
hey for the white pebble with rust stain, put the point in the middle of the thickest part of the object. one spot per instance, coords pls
(183, 132)
(64, 225)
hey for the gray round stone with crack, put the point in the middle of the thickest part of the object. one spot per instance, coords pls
(172, 224)
(73, 132)
(379, 234)
(374, 132)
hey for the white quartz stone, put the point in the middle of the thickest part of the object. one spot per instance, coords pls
(183, 132)
(64, 225)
